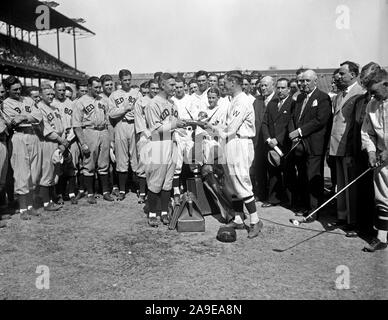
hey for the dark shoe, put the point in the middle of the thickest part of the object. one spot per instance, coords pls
(73, 200)
(234, 225)
(33, 212)
(80, 195)
(164, 219)
(255, 229)
(141, 199)
(146, 208)
(310, 219)
(351, 234)
(60, 201)
(25, 216)
(267, 205)
(92, 199)
(51, 207)
(339, 223)
(153, 222)
(66, 197)
(107, 197)
(116, 192)
(121, 196)
(375, 245)
(348, 227)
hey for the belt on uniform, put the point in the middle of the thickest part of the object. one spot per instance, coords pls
(29, 130)
(98, 128)
(128, 121)
(215, 138)
(161, 137)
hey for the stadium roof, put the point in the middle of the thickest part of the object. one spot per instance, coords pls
(22, 14)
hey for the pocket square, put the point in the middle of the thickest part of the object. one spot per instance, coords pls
(315, 103)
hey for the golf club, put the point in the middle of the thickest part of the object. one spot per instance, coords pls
(300, 242)
(296, 222)
(292, 149)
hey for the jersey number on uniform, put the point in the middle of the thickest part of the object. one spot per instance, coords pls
(68, 111)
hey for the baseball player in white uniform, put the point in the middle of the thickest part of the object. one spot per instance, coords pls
(122, 103)
(90, 124)
(162, 119)
(143, 135)
(53, 141)
(239, 152)
(183, 136)
(70, 169)
(107, 89)
(26, 156)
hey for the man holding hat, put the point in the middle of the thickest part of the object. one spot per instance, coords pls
(275, 129)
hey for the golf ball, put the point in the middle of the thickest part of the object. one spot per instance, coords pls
(295, 222)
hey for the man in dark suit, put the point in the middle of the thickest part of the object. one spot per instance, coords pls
(259, 167)
(310, 123)
(275, 134)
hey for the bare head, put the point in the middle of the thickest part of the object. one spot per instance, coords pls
(309, 81)
(266, 86)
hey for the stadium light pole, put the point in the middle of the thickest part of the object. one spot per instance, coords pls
(75, 50)
(58, 49)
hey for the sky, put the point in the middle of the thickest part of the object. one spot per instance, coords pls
(217, 35)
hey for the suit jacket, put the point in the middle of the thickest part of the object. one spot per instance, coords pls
(343, 121)
(275, 122)
(315, 121)
(260, 108)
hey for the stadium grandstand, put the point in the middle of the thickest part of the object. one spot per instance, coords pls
(324, 76)
(20, 54)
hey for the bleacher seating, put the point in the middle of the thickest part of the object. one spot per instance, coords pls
(23, 53)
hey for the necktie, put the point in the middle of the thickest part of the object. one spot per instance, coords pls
(280, 104)
(303, 106)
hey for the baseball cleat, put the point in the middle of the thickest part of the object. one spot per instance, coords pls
(153, 222)
(60, 200)
(121, 196)
(375, 245)
(92, 199)
(116, 192)
(25, 216)
(51, 207)
(255, 229)
(164, 219)
(107, 197)
(73, 200)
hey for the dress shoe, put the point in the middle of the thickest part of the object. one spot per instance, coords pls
(92, 199)
(375, 245)
(121, 196)
(255, 229)
(268, 204)
(73, 200)
(33, 212)
(116, 192)
(51, 207)
(164, 219)
(351, 234)
(107, 197)
(339, 223)
(234, 225)
(153, 222)
(310, 219)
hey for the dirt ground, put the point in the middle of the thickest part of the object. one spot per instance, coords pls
(107, 251)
